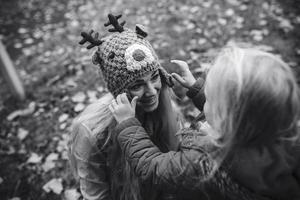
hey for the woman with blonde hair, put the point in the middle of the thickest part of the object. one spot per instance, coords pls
(128, 64)
(252, 107)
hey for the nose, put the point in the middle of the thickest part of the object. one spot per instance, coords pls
(150, 89)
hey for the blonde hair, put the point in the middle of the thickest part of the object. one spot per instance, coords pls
(97, 117)
(254, 99)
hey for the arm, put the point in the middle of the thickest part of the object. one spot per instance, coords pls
(89, 165)
(189, 168)
(183, 169)
(187, 80)
(196, 93)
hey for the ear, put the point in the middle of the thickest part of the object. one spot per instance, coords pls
(141, 30)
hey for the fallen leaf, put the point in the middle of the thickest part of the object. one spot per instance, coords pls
(62, 145)
(258, 38)
(18, 45)
(27, 111)
(54, 185)
(48, 165)
(222, 21)
(92, 96)
(28, 41)
(64, 155)
(72, 194)
(71, 83)
(79, 107)
(22, 30)
(52, 157)
(62, 126)
(285, 24)
(229, 12)
(63, 117)
(34, 158)
(22, 133)
(78, 97)
(15, 198)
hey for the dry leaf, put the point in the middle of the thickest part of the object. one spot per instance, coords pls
(54, 185)
(48, 165)
(79, 97)
(92, 95)
(72, 194)
(63, 117)
(52, 157)
(34, 158)
(62, 126)
(22, 133)
(229, 12)
(79, 107)
(27, 111)
(15, 198)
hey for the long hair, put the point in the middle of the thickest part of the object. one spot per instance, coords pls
(97, 117)
(254, 100)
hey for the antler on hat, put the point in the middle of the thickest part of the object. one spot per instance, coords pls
(123, 56)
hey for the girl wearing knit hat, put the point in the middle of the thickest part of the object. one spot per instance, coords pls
(127, 63)
(253, 107)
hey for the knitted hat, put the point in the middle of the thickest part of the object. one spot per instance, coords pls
(124, 56)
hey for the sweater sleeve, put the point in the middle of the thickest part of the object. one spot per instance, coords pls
(196, 93)
(89, 165)
(174, 169)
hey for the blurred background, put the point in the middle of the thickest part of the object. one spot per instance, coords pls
(41, 38)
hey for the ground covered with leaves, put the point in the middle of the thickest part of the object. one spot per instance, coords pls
(42, 39)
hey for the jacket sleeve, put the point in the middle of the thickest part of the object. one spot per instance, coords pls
(196, 93)
(89, 165)
(188, 168)
(174, 169)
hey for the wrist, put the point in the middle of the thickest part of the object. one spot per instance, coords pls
(127, 123)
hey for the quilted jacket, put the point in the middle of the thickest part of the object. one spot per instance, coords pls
(271, 172)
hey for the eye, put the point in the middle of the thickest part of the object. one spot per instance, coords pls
(136, 87)
(111, 55)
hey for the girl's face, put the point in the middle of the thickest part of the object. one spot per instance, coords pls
(147, 89)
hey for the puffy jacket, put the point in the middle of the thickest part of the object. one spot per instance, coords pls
(185, 172)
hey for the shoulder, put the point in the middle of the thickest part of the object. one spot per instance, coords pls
(82, 136)
(91, 125)
(96, 117)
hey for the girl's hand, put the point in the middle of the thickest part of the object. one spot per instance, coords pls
(121, 108)
(186, 79)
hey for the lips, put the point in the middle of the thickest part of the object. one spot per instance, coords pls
(148, 100)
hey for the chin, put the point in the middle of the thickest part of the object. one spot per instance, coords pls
(150, 108)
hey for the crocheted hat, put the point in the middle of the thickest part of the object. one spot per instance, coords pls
(123, 56)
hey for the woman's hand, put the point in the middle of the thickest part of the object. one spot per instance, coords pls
(121, 108)
(186, 79)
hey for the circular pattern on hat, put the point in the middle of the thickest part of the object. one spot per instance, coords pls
(138, 56)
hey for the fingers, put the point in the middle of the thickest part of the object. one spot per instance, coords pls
(124, 98)
(111, 108)
(179, 79)
(118, 99)
(182, 64)
(133, 102)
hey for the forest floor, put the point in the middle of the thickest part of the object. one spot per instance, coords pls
(42, 39)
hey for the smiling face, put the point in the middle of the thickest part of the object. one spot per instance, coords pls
(147, 89)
